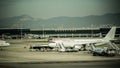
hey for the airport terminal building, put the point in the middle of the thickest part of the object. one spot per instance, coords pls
(42, 33)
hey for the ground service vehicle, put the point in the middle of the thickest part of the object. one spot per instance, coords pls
(40, 48)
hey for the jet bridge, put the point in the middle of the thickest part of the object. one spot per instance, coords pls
(64, 49)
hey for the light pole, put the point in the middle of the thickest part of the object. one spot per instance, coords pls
(43, 31)
(21, 31)
(92, 31)
(21, 27)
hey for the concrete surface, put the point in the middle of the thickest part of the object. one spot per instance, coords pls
(19, 52)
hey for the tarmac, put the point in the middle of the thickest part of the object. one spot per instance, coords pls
(19, 52)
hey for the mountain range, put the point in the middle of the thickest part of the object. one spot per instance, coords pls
(26, 21)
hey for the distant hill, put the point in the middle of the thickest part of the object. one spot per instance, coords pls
(26, 21)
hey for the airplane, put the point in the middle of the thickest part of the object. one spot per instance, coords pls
(79, 43)
(3, 44)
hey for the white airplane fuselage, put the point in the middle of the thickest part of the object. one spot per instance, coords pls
(77, 42)
(98, 41)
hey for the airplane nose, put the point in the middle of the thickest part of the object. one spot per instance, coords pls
(7, 43)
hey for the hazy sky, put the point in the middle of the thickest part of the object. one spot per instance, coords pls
(54, 8)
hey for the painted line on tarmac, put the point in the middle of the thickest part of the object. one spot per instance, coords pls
(53, 62)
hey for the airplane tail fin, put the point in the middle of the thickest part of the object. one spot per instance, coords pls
(111, 34)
